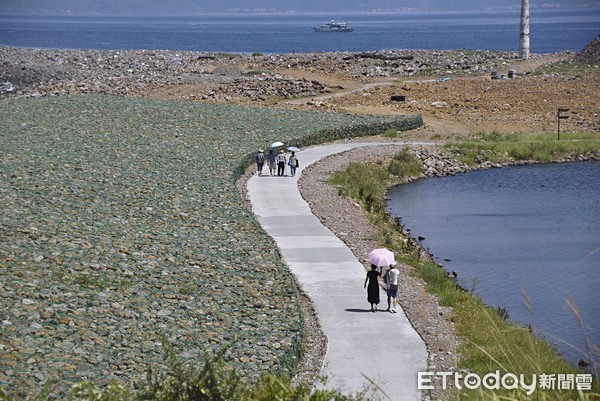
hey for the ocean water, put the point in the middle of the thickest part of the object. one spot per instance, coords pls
(526, 238)
(551, 31)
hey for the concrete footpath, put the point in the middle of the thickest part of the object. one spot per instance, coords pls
(381, 346)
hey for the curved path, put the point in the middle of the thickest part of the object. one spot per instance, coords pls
(381, 346)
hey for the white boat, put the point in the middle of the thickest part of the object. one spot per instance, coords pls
(333, 26)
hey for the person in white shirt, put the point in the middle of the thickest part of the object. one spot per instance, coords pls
(281, 159)
(391, 281)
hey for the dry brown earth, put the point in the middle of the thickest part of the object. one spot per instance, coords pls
(456, 105)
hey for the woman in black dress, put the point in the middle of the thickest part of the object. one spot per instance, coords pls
(373, 290)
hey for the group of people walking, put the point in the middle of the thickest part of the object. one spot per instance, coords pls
(277, 162)
(390, 278)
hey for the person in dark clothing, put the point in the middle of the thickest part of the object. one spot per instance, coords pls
(260, 161)
(373, 290)
(271, 159)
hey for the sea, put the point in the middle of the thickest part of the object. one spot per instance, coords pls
(552, 30)
(524, 238)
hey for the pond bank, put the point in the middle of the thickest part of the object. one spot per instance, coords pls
(350, 222)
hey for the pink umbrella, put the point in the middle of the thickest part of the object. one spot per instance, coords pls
(381, 257)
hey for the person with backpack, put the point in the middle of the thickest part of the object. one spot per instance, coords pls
(260, 161)
(391, 281)
(293, 163)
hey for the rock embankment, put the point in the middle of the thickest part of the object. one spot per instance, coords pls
(441, 162)
(120, 221)
(590, 53)
(438, 163)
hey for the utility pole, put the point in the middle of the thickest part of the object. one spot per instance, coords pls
(524, 44)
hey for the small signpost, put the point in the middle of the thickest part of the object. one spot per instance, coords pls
(560, 116)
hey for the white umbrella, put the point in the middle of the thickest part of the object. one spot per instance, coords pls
(293, 149)
(276, 144)
(381, 257)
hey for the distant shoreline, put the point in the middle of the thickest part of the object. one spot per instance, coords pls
(400, 10)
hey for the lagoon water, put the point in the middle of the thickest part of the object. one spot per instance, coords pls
(552, 30)
(518, 233)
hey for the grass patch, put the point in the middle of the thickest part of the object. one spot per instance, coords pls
(390, 133)
(497, 147)
(364, 182)
(566, 67)
(369, 182)
(227, 55)
(405, 164)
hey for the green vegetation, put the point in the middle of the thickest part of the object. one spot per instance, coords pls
(212, 380)
(404, 164)
(390, 133)
(369, 182)
(365, 183)
(566, 67)
(543, 148)
(227, 55)
(489, 342)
